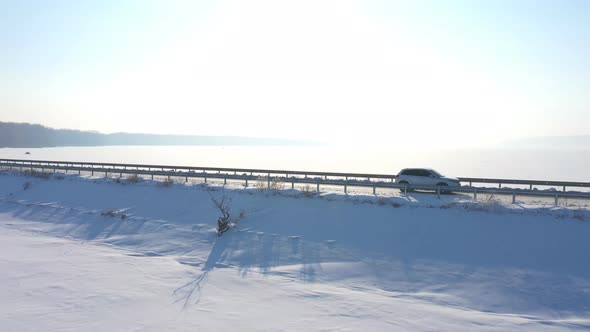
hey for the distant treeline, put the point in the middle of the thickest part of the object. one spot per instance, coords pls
(25, 135)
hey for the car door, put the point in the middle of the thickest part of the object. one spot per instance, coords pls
(412, 176)
(430, 178)
(405, 176)
(420, 177)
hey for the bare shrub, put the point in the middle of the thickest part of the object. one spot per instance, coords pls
(491, 198)
(488, 202)
(222, 204)
(261, 183)
(167, 183)
(134, 178)
(266, 183)
(277, 184)
(37, 174)
(308, 191)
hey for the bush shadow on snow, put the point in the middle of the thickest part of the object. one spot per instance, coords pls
(401, 248)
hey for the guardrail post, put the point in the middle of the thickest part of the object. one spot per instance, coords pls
(499, 185)
(186, 179)
(514, 198)
(406, 190)
(564, 188)
(556, 195)
(78, 172)
(374, 190)
(246, 186)
(345, 192)
(224, 181)
(475, 194)
(152, 177)
(438, 192)
(292, 185)
(268, 181)
(531, 187)
(318, 187)
(205, 179)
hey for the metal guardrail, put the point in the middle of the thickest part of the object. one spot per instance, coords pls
(28, 163)
(344, 180)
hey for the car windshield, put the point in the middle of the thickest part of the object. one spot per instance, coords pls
(436, 173)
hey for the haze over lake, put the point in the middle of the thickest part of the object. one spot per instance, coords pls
(552, 164)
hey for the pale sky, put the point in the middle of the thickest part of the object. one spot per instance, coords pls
(455, 73)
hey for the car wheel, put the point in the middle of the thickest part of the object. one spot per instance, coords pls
(404, 183)
(442, 187)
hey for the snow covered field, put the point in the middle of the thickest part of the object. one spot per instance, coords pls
(85, 254)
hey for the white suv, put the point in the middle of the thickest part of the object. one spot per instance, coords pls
(425, 177)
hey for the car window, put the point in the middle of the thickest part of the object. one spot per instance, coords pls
(413, 172)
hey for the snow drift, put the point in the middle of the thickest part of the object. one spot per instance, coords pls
(412, 263)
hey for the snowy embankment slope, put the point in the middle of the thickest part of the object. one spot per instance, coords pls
(333, 262)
